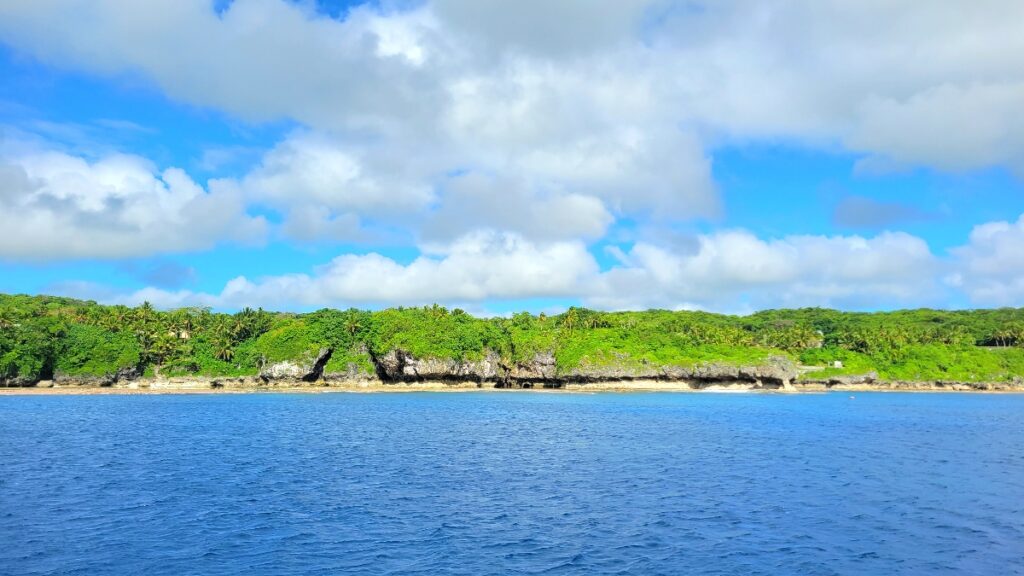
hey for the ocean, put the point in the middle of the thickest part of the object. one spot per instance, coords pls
(512, 483)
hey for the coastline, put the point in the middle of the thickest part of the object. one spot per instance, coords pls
(200, 386)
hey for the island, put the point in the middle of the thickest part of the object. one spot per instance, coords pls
(54, 343)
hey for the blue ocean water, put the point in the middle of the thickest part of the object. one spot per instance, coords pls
(512, 483)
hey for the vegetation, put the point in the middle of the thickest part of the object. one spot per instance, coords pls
(42, 336)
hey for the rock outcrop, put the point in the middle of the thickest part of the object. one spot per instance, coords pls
(121, 376)
(775, 373)
(400, 366)
(537, 370)
(541, 370)
(309, 369)
(17, 382)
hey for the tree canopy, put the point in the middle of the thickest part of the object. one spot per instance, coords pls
(41, 336)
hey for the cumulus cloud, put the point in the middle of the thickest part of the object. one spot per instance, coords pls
(734, 269)
(261, 59)
(618, 100)
(476, 267)
(311, 168)
(990, 267)
(729, 271)
(57, 206)
(505, 203)
(949, 126)
(326, 189)
(894, 79)
(515, 135)
(596, 127)
(537, 27)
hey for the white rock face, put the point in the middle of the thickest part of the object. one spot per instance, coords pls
(282, 370)
(400, 365)
(310, 368)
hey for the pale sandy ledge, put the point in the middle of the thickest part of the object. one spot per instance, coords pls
(249, 386)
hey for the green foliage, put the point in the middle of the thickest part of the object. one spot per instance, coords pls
(288, 340)
(852, 362)
(41, 335)
(94, 351)
(528, 336)
(434, 332)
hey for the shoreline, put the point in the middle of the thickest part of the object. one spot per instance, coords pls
(216, 386)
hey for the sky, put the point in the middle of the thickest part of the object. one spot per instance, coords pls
(729, 156)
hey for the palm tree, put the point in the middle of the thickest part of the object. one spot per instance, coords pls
(352, 325)
(222, 343)
(1014, 334)
(164, 346)
(223, 351)
(571, 319)
(145, 312)
(437, 312)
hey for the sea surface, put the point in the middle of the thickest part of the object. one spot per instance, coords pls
(512, 483)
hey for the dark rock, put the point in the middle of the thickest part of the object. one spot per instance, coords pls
(125, 374)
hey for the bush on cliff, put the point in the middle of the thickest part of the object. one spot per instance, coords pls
(93, 351)
(41, 334)
(434, 332)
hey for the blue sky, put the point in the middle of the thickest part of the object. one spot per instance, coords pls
(297, 155)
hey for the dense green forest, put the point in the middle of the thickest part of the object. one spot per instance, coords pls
(42, 336)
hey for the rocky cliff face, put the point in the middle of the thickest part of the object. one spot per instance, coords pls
(540, 369)
(399, 366)
(871, 382)
(17, 382)
(121, 376)
(309, 369)
(776, 373)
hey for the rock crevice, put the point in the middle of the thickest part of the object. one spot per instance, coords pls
(541, 371)
(308, 369)
(399, 366)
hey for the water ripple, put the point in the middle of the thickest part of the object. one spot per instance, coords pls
(517, 483)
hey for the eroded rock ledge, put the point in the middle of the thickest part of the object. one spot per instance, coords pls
(399, 369)
(540, 371)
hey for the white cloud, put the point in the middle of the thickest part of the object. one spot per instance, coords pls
(311, 168)
(261, 59)
(735, 270)
(480, 266)
(559, 118)
(57, 206)
(598, 127)
(882, 77)
(480, 201)
(730, 271)
(325, 189)
(990, 267)
(618, 100)
(542, 28)
(953, 127)
(309, 222)
(896, 79)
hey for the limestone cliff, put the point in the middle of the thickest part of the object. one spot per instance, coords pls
(397, 367)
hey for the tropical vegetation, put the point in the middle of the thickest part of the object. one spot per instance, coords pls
(42, 337)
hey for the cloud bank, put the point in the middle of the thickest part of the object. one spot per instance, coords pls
(731, 271)
(505, 140)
